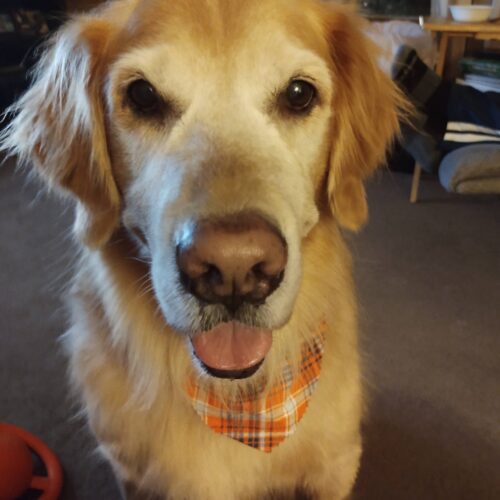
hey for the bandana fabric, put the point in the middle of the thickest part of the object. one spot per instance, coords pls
(264, 422)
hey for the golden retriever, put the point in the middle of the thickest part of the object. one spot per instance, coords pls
(215, 149)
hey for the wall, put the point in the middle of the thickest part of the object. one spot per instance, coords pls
(88, 4)
(79, 5)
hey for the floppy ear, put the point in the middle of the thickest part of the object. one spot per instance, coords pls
(58, 127)
(365, 112)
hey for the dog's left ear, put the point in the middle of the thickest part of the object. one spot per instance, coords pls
(365, 114)
(58, 126)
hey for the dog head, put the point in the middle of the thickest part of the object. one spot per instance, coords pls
(218, 133)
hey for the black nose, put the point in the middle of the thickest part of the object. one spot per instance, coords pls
(232, 260)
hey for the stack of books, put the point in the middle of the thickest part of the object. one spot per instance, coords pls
(481, 72)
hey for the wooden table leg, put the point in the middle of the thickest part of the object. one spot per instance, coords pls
(442, 50)
(417, 172)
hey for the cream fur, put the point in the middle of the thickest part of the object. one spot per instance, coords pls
(226, 147)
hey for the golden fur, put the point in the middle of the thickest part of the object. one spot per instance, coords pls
(127, 363)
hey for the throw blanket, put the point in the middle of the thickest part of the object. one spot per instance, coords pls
(473, 117)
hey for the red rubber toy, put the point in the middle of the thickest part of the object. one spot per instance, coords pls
(16, 465)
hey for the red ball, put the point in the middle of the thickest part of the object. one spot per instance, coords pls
(16, 466)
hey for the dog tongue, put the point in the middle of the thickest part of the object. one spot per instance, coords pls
(232, 346)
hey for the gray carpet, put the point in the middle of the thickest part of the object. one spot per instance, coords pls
(429, 285)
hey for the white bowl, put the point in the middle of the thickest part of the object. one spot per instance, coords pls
(470, 13)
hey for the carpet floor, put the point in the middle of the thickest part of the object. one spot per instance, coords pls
(429, 284)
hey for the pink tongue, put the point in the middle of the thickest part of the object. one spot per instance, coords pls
(232, 346)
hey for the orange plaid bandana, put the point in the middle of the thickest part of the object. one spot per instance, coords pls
(264, 423)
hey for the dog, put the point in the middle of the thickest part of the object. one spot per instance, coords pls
(216, 151)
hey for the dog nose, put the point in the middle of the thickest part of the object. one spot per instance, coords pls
(232, 260)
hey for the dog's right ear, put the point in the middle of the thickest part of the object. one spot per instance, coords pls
(58, 126)
(366, 110)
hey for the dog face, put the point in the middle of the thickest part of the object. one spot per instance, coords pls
(218, 133)
(224, 139)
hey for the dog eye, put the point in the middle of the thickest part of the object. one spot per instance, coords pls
(300, 96)
(143, 96)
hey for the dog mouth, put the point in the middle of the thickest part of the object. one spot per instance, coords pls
(232, 350)
(233, 374)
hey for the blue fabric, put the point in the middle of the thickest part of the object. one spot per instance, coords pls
(474, 168)
(422, 146)
(473, 117)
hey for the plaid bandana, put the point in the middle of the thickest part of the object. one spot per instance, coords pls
(264, 423)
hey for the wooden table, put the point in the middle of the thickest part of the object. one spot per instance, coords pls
(443, 30)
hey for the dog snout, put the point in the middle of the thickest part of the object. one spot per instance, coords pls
(232, 260)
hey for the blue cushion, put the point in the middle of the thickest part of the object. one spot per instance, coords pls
(472, 169)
